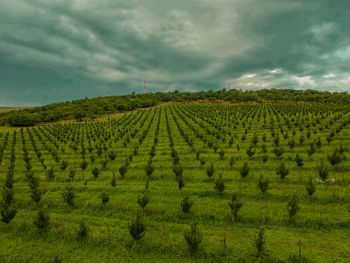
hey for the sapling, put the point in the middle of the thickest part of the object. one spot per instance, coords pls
(220, 185)
(310, 187)
(137, 228)
(95, 172)
(104, 198)
(69, 195)
(282, 171)
(50, 174)
(83, 164)
(180, 182)
(149, 169)
(323, 170)
(42, 220)
(193, 237)
(143, 199)
(299, 160)
(186, 203)
(222, 154)
(244, 171)
(113, 182)
(63, 165)
(210, 170)
(7, 212)
(178, 170)
(235, 205)
(259, 242)
(82, 231)
(263, 184)
(292, 207)
(71, 174)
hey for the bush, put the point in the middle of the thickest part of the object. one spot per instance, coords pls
(7, 213)
(235, 205)
(137, 228)
(186, 204)
(83, 164)
(282, 171)
(95, 172)
(104, 198)
(310, 187)
(210, 170)
(42, 220)
(299, 160)
(293, 207)
(244, 171)
(260, 242)
(113, 182)
(180, 182)
(263, 184)
(193, 237)
(220, 185)
(323, 170)
(69, 195)
(82, 231)
(143, 200)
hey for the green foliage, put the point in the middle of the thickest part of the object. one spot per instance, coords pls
(323, 170)
(143, 199)
(210, 170)
(68, 195)
(82, 230)
(220, 185)
(104, 198)
(282, 171)
(186, 203)
(263, 184)
(42, 220)
(293, 207)
(193, 237)
(310, 187)
(244, 170)
(259, 242)
(95, 172)
(137, 228)
(235, 205)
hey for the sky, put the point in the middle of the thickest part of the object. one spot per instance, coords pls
(53, 51)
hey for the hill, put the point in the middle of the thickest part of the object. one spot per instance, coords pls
(90, 108)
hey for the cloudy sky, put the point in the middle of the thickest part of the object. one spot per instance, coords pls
(67, 49)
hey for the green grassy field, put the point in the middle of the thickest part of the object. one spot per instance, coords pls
(193, 137)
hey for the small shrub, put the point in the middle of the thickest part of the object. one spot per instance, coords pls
(323, 170)
(63, 165)
(69, 195)
(193, 237)
(210, 170)
(235, 205)
(263, 184)
(259, 242)
(282, 171)
(113, 182)
(83, 164)
(299, 160)
(7, 213)
(186, 204)
(180, 182)
(143, 199)
(95, 172)
(293, 207)
(82, 231)
(137, 228)
(42, 220)
(310, 187)
(244, 171)
(220, 185)
(104, 198)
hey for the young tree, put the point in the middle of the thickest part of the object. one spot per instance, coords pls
(259, 242)
(282, 171)
(292, 207)
(82, 231)
(210, 170)
(244, 171)
(323, 170)
(104, 198)
(143, 199)
(42, 220)
(186, 203)
(263, 184)
(193, 237)
(95, 172)
(220, 185)
(137, 228)
(69, 195)
(235, 205)
(310, 187)
(113, 182)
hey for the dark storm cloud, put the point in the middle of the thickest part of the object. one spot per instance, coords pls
(60, 50)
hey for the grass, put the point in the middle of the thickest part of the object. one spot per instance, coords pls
(322, 224)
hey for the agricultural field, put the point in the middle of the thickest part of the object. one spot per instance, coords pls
(182, 182)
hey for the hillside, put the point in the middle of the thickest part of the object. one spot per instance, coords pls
(89, 108)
